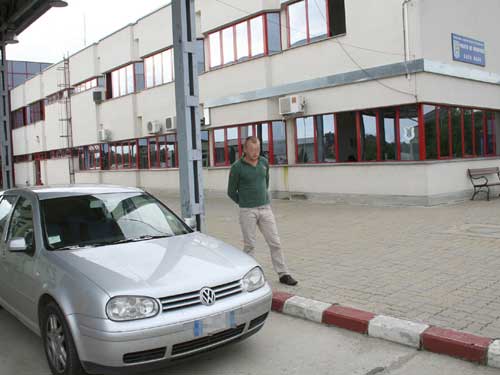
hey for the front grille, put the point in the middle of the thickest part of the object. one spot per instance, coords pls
(147, 355)
(203, 342)
(257, 321)
(180, 301)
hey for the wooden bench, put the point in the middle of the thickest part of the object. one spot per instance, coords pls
(480, 181)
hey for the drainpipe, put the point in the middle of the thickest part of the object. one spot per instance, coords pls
(405, 35)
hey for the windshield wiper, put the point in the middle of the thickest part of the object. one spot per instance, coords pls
(141, 238)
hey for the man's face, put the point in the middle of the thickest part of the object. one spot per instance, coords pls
(252, 150)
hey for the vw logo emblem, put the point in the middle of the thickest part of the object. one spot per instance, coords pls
(207, 296)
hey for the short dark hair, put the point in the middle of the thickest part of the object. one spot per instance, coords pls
(251, 139)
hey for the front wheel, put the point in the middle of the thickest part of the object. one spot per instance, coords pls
(58, 343)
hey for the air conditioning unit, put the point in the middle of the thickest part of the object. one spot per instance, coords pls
(170, 123)
(104, 135)
(153, 127)
(290, 105)
(98, 96)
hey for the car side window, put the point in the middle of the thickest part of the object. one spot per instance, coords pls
(21, 223)
(5, 208)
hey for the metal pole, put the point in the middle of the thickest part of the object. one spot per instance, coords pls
(187, 112)
(5, 137)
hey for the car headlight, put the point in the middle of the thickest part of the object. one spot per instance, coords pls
(131, 308)
(253, 280)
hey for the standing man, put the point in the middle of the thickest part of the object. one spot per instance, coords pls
(247, 187)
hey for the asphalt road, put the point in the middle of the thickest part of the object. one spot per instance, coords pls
(285, 345)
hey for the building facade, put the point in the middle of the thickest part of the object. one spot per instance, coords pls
(352, 100)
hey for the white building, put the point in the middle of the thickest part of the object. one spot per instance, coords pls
(399, 99)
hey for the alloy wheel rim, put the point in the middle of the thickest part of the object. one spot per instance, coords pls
(56, 343)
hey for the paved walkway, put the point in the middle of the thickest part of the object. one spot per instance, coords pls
(438, 265)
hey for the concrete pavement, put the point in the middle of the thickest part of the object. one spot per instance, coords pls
(307, 348)
(436, 265)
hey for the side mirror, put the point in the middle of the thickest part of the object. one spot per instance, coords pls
(18, 245)
(191, 222)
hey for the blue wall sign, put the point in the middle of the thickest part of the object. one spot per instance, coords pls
(468, 50)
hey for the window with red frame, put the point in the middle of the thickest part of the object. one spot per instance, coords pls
(89, 157)
(310, 20)
(54, 98)
(163, 151)
(121, 155)
(121, 81)
(254, 37)
(35, 112)
(61, 153)
(315, 139)
(18, 118)
(84, 86)
(159, 68)
(229, 142)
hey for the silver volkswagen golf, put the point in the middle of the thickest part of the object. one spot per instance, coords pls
(112, 280)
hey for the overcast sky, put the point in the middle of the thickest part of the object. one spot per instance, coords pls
(60, 30)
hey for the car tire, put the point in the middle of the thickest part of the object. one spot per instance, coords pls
(58, 342)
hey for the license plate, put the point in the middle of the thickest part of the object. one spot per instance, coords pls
(214, 323)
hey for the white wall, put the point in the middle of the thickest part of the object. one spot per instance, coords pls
(17, 98)
(52, 77)
(111, 56)
(57, 171)
(156, 103)
(34, 89)
(119, 116)
(53, 127)
(84, 118)
(25, 172)
(84, 64)
(154, 32)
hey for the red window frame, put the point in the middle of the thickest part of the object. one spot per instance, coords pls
(308, 36)
(152, 57)
(85, 85)
(156, 164)
(265, 37)
(119, 72)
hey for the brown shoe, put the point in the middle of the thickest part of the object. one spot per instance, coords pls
(288, 280)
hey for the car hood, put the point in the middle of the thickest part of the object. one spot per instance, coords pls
(160, 267)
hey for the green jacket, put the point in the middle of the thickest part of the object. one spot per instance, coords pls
(247, 185)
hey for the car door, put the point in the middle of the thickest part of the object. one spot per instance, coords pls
(20, 266)
(6, 207)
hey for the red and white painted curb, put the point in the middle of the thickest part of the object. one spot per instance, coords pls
(481, 350)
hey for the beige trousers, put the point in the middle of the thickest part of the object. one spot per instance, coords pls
(262, 217)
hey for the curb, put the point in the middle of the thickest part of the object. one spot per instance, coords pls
(462, 345)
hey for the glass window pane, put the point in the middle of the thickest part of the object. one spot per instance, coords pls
(149, 66)
(242, 40)
(262, 131)
(347, 138)
(172, 160)
(158, 69)
(232, 144)
(139, 76)
(163, 151)
(467, 113)
(456, 131)
(143, 154)
(21, 223)
(257, 36)
(5, 208)
(220, 156)
(130, 79)
(215, 58)
(444, 132)
(153, 161)
(430, 112)
(297, 23)
(245, 132)
(273, 33)
(368, 135)
(388, 134)
(490, 131)
(205, 148)
(325, 128)
(228, 45)
(115, 84)
(279, 142)
(305, 139)
(126, 155)
(408, 132)
(167, 66)
(479, 132)
(119, 156)
(123, 81)
(317, 18)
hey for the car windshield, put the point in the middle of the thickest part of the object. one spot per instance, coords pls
(102, 219)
